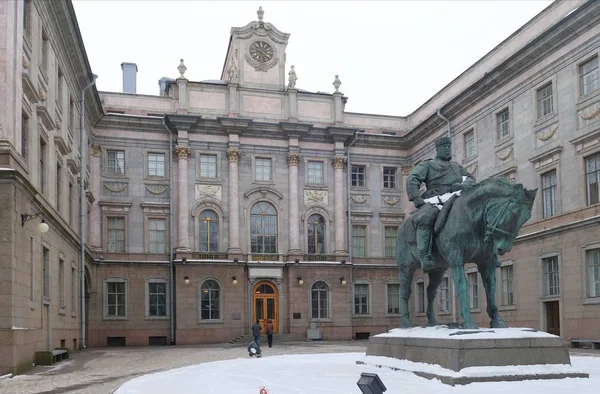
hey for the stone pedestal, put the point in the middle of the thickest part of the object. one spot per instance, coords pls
(496, 353)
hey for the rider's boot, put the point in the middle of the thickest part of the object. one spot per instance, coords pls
(424, 249)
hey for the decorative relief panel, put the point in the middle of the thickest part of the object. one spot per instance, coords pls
(210, 191)
(505, 155)
(313, 196)
(588, 115)
(115, 189)
(391, 201)
(156, 191)
(359, 199)
(546, 135)
(473, 169)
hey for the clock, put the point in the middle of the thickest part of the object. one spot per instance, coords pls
(261, 51)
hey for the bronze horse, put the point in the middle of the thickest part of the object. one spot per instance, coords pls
(479, 225)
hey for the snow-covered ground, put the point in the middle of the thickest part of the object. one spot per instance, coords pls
(334, 373)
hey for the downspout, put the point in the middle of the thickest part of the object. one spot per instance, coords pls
(171, 265)
(439, 114)
(83, 204)
(349, 217)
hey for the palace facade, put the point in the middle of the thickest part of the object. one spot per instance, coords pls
(216, 203)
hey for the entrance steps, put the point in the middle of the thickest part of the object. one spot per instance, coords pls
(278, 339)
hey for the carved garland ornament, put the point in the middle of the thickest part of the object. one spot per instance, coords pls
(152, 191)
(359, 198)
(391, 200)
(505, 154)
(233, 154)
(207, 190)
(25, 63)
(547, 136)
(473, 168)
(315, 195)
(95, 150)
(293, 159)
(181, 151)
(591, 115)
(338, 162)
(114, 189)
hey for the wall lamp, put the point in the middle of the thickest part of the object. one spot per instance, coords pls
(41, 228)
(234, 280)
(186, 280)
(300, 281)
(343, 280)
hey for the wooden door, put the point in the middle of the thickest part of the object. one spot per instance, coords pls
(265, 305)
(552, 317)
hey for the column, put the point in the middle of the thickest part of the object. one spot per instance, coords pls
(181, 153)
(233, 156)
(294, 230)
(95, 217)
(340, 201)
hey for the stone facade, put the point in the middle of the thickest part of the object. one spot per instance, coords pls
(217, 202)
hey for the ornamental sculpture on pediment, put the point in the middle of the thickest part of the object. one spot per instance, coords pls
(315, 195)
(181, 151)
(181, 68)
(293, 159)
(338, 162)
(233, 155)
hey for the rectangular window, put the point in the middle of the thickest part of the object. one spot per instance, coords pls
(27, 18)
(420, 297)
(593, 267)
(359, 241)
(208, 166)
(508, 285)
(444, 299)
(393, 298)
(116, 234)
(31, 271)
(45, 48)
(58, 186)
(549, 193)
(115, 162)
(361, 299)
(592, 175)
(71, 116)
(470, 144)
(503, 122)
(545, 105)
(551, 276)
(46, 269)
(42, 166)
(157, 235)
(73, 290)
(389, 177)
(315, 172)
(263, 169)
(25, 137)
(115, 299)
(59, 88)
(69, 206)
(358, 176)
(157, 299)
(588, 73)
(156, 164)
(391, 234)
(473, 290)
(61, 283)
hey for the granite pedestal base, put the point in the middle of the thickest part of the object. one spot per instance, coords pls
(458, 356)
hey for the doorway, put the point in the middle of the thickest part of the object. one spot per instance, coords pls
(552, 309)
(265, 304)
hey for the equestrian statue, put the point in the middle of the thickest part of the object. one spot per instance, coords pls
(457, 221)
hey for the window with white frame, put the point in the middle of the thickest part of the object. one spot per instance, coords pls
(473, 290)
(316, 234)
(592, 258)
(69, 206)
(263, 228)
(551, 276)
(508, 285)
(315, 172)
(444, 295)
(549, 196)
(592, 175)
(116, 298)
(157, 235)
(46, 273)
(391, 235)
(157, 298)
(208, 166)
(393, 298)
(115, 233)
(545, 104)
(61, 283)
(589, 76)
(210, 300)
(319, 294)
(42, 166)
(262, 167)
(420, 297)
(389, 177)
(156, 164)
(115, 162)
(358, 176)
(73, 290)
(361, 299)
(470, 148)
(58, 187)
(209, 231)
(25, 137)
(359, 241)
(503, 124)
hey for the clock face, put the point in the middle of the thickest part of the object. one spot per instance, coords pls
(261, 51)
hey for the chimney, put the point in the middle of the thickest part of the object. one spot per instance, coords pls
(129, 77)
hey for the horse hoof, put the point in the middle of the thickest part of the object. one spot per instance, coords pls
(405, 324)
(498, 323)
(469, 326)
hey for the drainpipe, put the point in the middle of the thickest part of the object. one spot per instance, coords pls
(83, 204)
(439, 114)
(349, 217)
(171, 265)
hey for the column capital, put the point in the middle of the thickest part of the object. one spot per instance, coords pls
(338, 162)
(293, 159)
(233, 155)
(96, 150)
(181, 151)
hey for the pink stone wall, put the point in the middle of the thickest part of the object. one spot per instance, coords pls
(315, 109)
(208, 100)
(262, 105)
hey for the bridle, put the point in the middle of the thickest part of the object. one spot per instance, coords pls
(492, 227)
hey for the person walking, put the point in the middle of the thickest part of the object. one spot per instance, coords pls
(256, 329)
(269, 330)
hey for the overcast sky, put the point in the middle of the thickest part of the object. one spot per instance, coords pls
(391, 56)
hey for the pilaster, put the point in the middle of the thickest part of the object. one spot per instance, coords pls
(340, 202)
(182, 153)
(294, 230)
(233, 156)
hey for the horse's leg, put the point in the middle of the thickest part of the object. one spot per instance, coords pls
(488, 276)
(407, 271)
(435, 278)
(460, 284)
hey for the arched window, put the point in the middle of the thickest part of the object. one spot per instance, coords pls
(209, 231)
(263, 228)
(319, 295)
(210, 300)
(316, 234)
